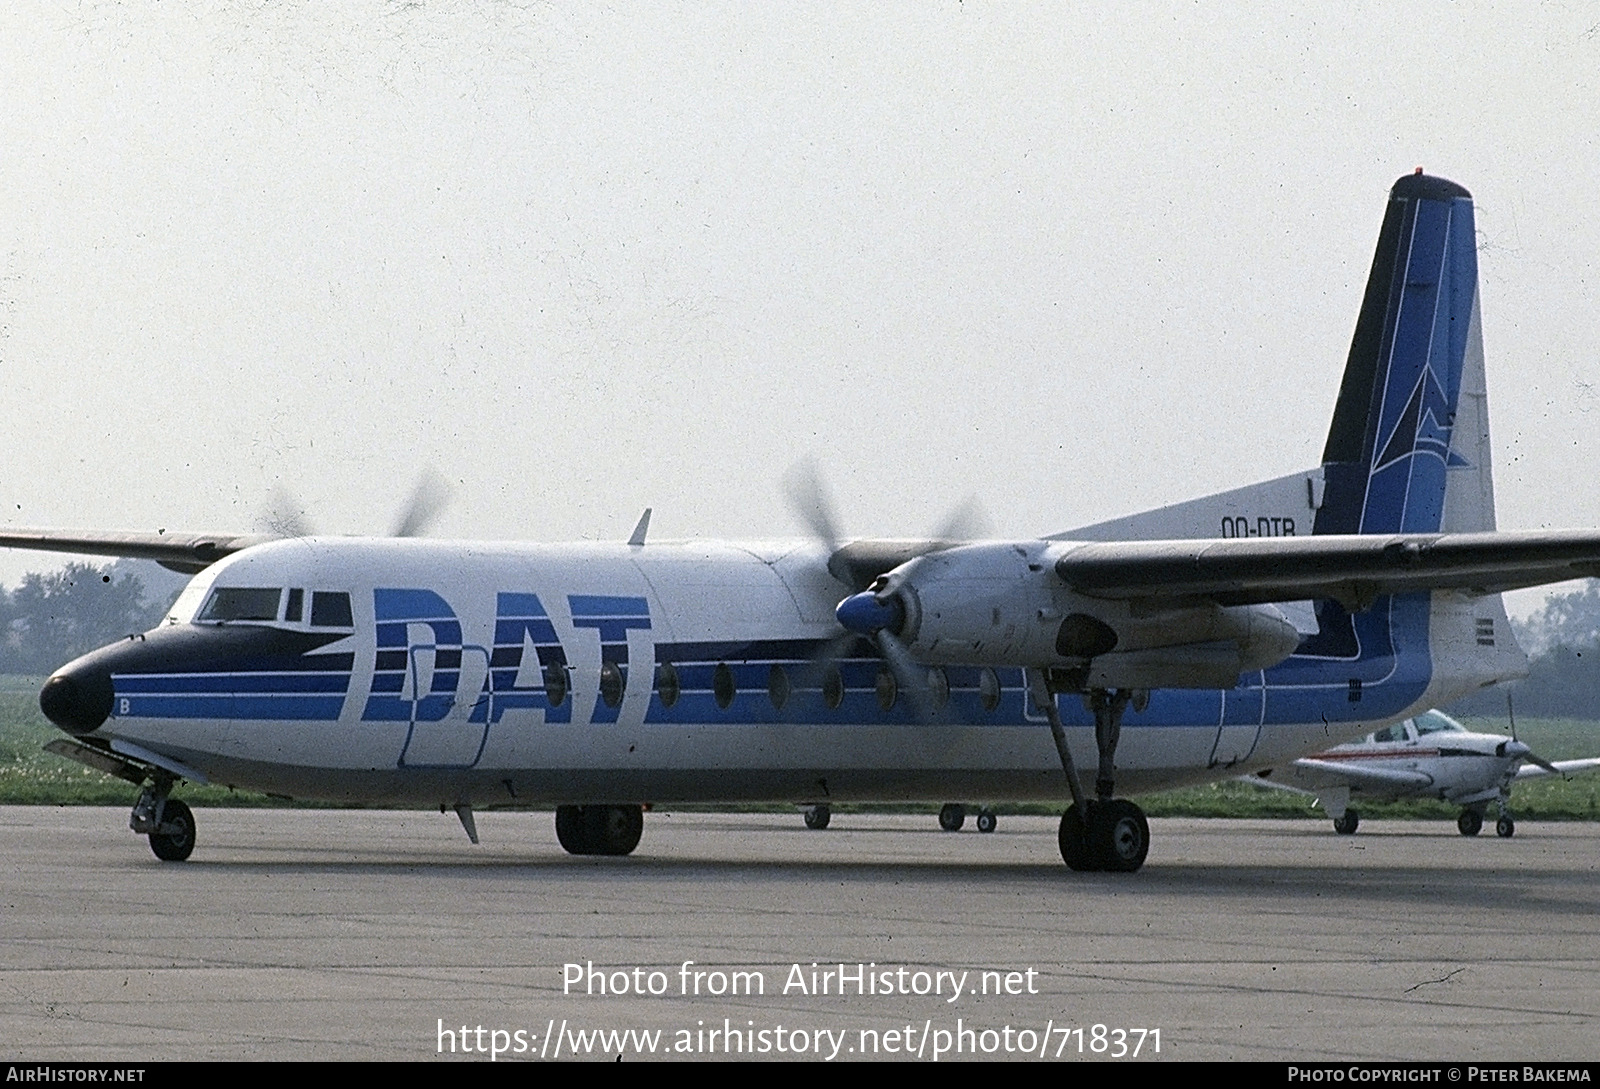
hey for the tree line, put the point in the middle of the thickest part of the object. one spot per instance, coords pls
(51, 618)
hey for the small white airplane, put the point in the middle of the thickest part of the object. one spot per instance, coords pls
(1185, 645)
(1429, 756)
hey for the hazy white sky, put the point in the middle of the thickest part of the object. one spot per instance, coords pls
(582, 260)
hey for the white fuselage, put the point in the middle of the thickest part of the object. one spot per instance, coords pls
(511, 674)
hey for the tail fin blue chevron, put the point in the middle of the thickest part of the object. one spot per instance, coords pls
(1409, 446)
(1408, 450)
(1392, 448)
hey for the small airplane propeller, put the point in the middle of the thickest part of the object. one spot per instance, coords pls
(1510, 748)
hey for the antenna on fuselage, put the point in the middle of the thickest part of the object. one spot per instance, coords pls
(636, 539)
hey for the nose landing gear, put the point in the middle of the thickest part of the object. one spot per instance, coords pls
(166, 821)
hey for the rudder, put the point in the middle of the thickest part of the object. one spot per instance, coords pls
(1401, 456)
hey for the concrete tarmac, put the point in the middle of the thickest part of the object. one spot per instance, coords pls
(383, 935)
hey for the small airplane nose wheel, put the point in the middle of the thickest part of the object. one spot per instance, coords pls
(986, 820)
(817, 817)
(1505, 827)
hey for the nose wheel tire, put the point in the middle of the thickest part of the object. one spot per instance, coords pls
(986, 821)
(174, 842)
(1470, 823)
(817, 817)
(1347, 824)
(1505, 827)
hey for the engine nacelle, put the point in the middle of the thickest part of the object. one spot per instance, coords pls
(1001, 604)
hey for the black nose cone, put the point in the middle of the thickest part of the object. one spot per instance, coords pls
(78, 701)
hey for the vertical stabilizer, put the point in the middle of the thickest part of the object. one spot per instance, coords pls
(1408, 451)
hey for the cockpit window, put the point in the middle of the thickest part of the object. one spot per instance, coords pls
(330, 610)
(241, 603)
(1435, 722)
(1397, 732)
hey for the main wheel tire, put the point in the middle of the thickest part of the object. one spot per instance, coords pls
(599, 829)
(572, 829)
(1470, 823)
(952, 816)
(178, 843)
(986, 821)
(1119, 835)
(614, 829)
(1505, 827)
(1347, 824)
(1073, 840)
(817, 817)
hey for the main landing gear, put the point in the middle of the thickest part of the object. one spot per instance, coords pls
(599, 829)
(1347, 824)
(1470, 823)
(952, 815)
(166, 821)
(1107, 833)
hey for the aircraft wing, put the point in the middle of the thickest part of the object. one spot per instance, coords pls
(1565, 767)
(189, 553)
(1350, 569)
(1314, 774)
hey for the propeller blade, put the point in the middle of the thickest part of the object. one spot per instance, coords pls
(909, 674)
(1534, 758)
(967, 522)
(428, 500)
(808, 499)
(284, 516)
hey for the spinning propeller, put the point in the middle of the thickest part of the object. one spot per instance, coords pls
(285, 517)
(1517, 748)
(877, 610)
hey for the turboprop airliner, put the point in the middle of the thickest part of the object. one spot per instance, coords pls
(1193, 643)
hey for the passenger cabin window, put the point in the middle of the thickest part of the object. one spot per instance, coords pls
(722, 686)
(667, 683)
(241, 603)
(330, 610)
